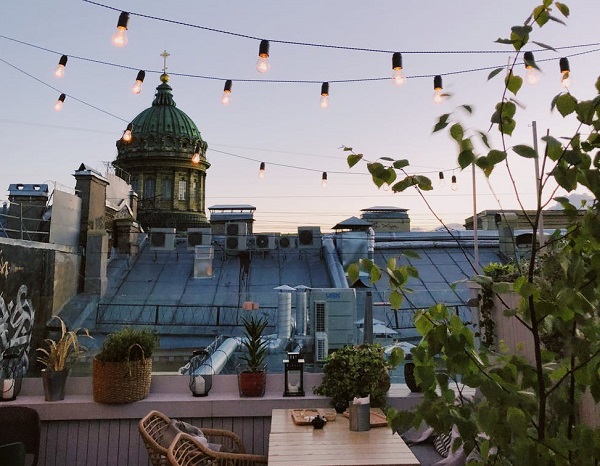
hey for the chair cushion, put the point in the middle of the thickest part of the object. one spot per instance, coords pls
(177, 426)
(442, 444)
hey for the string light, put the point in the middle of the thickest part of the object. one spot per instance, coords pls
(59, 72)
(442, 180)
(262, 64)
(531, 73)
(324, 180)
(565, 70)
(398, 77)
(324, 95)
(261, 170)
(226, 97)
(59, 103)
(127, 133)
(453, 185)
(119, 38)
(196, 156)
(137, 87)
(438, 96)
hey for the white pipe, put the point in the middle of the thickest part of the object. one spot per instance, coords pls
(334, 266)
(284, 315)
(301, 312)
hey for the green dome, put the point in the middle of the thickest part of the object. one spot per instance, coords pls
(162, 130)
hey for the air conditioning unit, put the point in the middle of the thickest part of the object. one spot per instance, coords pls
(236, 236)
(287, 242)
(266, 241)
(162, 239)
(321, 346)
(309, 237)
(198, 237)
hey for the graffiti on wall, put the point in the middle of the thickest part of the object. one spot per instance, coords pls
(17, 314)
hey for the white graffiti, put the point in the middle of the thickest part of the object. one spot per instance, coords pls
(16, 324)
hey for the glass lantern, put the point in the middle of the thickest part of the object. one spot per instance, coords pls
(294, 375)
(11, 374)
(201, 372)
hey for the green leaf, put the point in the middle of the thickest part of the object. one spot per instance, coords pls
(544, 46)
(387, 159)
(484, 139)
(465, 158)
(598, 84)
(554, 18)
(525, 151)
(573, 157)
(347, 149)
(424, 183)
(411, 254)
(400, 164)
(585, 111)
(566, 104)
(507, 126)
(379, 173)
(496, 156)
(395, 299)
(467, 108)
(485, 164)
(457, 132)
(564, 9)
(541, 15)
(441, 123)
(513, 83)
(353, 159)
(494, 73)
(353, 272)
(405, 183)
(554, 148)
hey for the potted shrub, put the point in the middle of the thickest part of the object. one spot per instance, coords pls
(122, 370)
(358, 371)
(57, 357)
(252, 377)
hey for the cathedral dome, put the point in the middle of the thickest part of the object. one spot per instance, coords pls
(162, 129)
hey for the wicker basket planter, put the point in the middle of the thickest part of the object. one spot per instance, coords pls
(121, 382)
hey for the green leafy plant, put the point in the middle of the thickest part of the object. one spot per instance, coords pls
(128, 344)
(358, 371)
(254, 343)
(61, 354)
(530, 409)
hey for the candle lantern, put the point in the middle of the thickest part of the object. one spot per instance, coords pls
(294, 375)
(201, 372)
(11, 374)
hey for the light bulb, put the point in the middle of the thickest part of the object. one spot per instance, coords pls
(261, 170)
(438, 89)
(324, 180)
(398, 77)
(60, 69)
(226, 98)
(565, 70)
(59, 103)
(119, 38)
(59, 72)
(137, 87)
(442, 180)
(127, 135)
(386, 187)
(324, 95)
(263, 65)
(196, 156)
(454, 186)
(566, 80)
(531, 75)
(324, 101)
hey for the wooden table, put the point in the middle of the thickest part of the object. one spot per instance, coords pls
(335, 444)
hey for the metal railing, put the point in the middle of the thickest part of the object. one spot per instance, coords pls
(175, 315)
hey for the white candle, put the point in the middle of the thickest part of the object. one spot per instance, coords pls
(8, 388)
(199, 385)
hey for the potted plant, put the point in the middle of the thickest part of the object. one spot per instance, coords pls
(57, 357)
(122, 370)
(252, 377)
(358, 371)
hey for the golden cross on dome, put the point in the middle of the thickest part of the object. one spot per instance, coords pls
(165, 54)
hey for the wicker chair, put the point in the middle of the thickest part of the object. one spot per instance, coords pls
(154, 432)
(187, 451)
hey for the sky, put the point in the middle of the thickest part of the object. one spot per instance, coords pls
(276, 117)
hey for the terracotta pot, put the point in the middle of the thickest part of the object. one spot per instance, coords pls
(252, 384)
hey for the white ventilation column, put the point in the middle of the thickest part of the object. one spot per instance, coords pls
(301, 309)
(284, 315)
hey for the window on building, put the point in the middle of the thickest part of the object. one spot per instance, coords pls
(135, 185)
(182, 190)
(149, 188)
(167, 189)
(194, 189)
